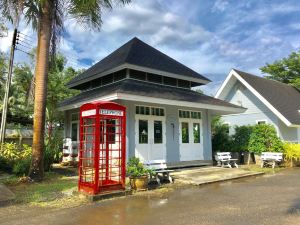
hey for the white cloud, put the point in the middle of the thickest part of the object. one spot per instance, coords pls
(5, 42)
(220, 5)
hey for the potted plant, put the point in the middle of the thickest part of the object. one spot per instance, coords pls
(138, 174)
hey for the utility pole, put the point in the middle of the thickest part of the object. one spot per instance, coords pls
(7, 86)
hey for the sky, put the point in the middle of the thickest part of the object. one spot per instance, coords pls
(209, 36)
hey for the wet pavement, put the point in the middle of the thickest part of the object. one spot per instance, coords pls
(268, 199)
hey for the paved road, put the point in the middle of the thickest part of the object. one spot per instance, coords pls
(272, 199)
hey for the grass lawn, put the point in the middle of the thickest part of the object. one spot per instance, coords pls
(54, 191)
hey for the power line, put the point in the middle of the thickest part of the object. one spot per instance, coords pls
(21, 50)
(28, 37)
(28, 47)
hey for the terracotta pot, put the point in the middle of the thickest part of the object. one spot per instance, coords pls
(139, 183)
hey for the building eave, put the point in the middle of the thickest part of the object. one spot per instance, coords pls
(232, 74)
(140, 68)
(218, 110)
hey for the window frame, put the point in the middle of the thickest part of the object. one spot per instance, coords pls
(71, 125)
(262, 120)
(190, 114)
(161, 111)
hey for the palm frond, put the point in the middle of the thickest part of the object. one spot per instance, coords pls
(89, 12)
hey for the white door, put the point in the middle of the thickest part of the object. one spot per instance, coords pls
(150, 137)
(190, 139)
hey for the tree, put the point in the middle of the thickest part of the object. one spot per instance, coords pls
(286, 70)
(3, 29)
(59, 75)
(46, 16)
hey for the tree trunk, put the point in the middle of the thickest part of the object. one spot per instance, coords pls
(36, 171)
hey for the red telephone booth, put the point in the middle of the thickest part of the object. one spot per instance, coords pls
(102, 150)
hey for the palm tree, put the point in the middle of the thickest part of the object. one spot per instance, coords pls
(46, 17)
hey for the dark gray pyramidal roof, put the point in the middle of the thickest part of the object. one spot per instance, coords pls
(283, 97)
(138, 53)
(141, 88)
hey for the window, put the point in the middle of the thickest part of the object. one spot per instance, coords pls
(261, 121)
(111, 131)
(107, 79)
(158, 138)
(146, 110)
(143, 131)
(183, 83)
(196, 132)
(189, 114)
(154, 78)
(120, 75)
(139, 75)
(185, 132)
(74, 116)
(196, 115)
(74, 126)
(74, 131)
(170, 81)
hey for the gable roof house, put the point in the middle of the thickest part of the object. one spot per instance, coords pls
(267, 101)
(166, 119)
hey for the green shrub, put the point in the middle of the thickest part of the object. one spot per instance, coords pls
(136, 169)
(21, 167)
(241, 137)
(291, 152)
(221, 141)
(264, 139)
(15, 158)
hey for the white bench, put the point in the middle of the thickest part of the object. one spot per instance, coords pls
(224, 159)
(271, 158)
(159, 167)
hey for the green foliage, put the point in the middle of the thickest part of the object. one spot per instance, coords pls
(291, 151)
(14, 158)
(241, 137)
(59, 75)
(221, 141)
(264, 139)
(21, 167)
(17, 159)
(286, 70)
(135, 168)
(53, 149)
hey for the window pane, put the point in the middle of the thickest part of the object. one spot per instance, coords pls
(142, 110)
(147, 111)
(162, 113)
(111, 131)
(158, 132)
(139, 75)
(154, 78)
(180, 114)
(199, 115)
(170, 81)
(75, 116)
(157, 111)
(196, 131)
(188, 114)
(143, 131)
(185, 132)
(261, 122)
(74, 131)
(137, 110)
